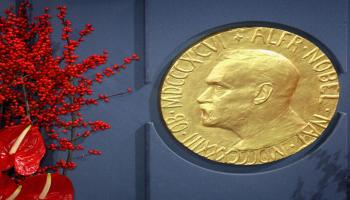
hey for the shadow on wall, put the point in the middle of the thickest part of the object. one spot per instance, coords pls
(333, 174)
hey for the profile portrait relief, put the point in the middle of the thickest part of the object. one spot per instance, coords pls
(249, 93)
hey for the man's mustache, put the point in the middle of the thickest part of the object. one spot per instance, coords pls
(205, 106)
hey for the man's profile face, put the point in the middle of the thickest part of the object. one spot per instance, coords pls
(229, 97)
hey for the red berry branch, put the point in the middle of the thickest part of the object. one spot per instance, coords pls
(43, 94)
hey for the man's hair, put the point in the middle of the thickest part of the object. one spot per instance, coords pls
(264, 66)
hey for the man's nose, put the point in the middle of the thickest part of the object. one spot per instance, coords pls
(205, 97)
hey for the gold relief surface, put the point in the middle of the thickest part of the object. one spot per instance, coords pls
(249, 95)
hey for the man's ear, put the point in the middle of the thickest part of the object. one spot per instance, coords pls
(263, 92)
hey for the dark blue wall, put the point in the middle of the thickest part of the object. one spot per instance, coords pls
(140, 160)
(316, 173)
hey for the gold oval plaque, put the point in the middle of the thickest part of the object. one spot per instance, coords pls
(249, 95)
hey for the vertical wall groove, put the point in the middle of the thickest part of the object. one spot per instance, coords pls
(142, 162)
(141, 78)
(141, 71)
(347, 24)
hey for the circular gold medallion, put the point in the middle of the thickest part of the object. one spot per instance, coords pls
(249, 95)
